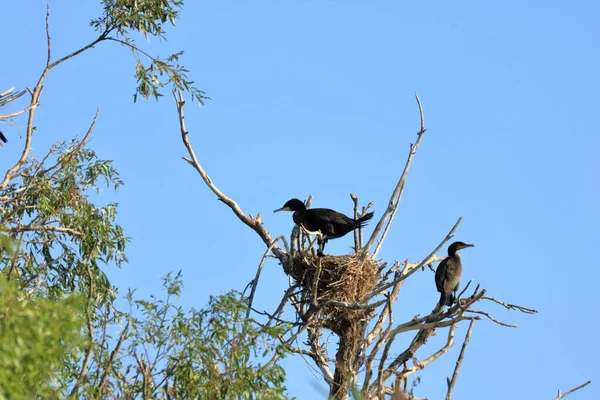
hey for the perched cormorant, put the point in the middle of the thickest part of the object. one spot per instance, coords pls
(447, 275)
(2, 138)
(323, 222)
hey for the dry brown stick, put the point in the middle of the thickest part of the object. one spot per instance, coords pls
(253, 223)
(563, 395)
(390, 212)
(459, 361)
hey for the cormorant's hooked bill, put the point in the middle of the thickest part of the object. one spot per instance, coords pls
(323, 222)
(448, 273)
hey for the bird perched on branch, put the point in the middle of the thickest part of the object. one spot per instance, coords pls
(2, 138)
(447, 275)
(324, 223)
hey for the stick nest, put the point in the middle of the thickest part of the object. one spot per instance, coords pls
(344, 278)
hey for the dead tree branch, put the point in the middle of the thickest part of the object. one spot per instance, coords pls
(459, 361)
(563, 395)
(254, 223)
(388, 216)
(254, 282)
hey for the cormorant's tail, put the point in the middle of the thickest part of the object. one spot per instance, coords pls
(445, 299)
(2, 138)
(362, 221)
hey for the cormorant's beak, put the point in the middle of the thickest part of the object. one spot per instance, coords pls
(282, 209)
(469, 245)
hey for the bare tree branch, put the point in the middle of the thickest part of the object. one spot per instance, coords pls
(563, 395)
(253, 223)
(488, 316)
(411, 268)
(390, 212)
(509, 306)
(254, 282)
(461, 356)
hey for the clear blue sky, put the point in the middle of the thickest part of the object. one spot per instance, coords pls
(316, 97)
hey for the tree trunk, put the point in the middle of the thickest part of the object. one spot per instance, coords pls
(350, 334)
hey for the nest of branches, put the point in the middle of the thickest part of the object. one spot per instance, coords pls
(336, 279)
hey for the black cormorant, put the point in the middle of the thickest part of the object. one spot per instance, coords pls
(2, 138)
(323, 222)
(447, 275)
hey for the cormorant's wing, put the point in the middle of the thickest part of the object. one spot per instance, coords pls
(440, 275)
(328, 215)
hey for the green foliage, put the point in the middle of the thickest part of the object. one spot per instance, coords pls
(148, 17)
(62, 236)
(36, 336)
(6, 243)
(167, 352)
(55, 241)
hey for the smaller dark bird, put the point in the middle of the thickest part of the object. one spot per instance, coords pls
(447, 275)
(2, 138)
(323, 222)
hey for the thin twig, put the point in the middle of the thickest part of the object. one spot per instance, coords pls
(509, 306)
(563, 395)
(488, 316)
(258, 271)
(459, 361)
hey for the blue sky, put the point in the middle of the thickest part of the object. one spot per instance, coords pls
(316, 97)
